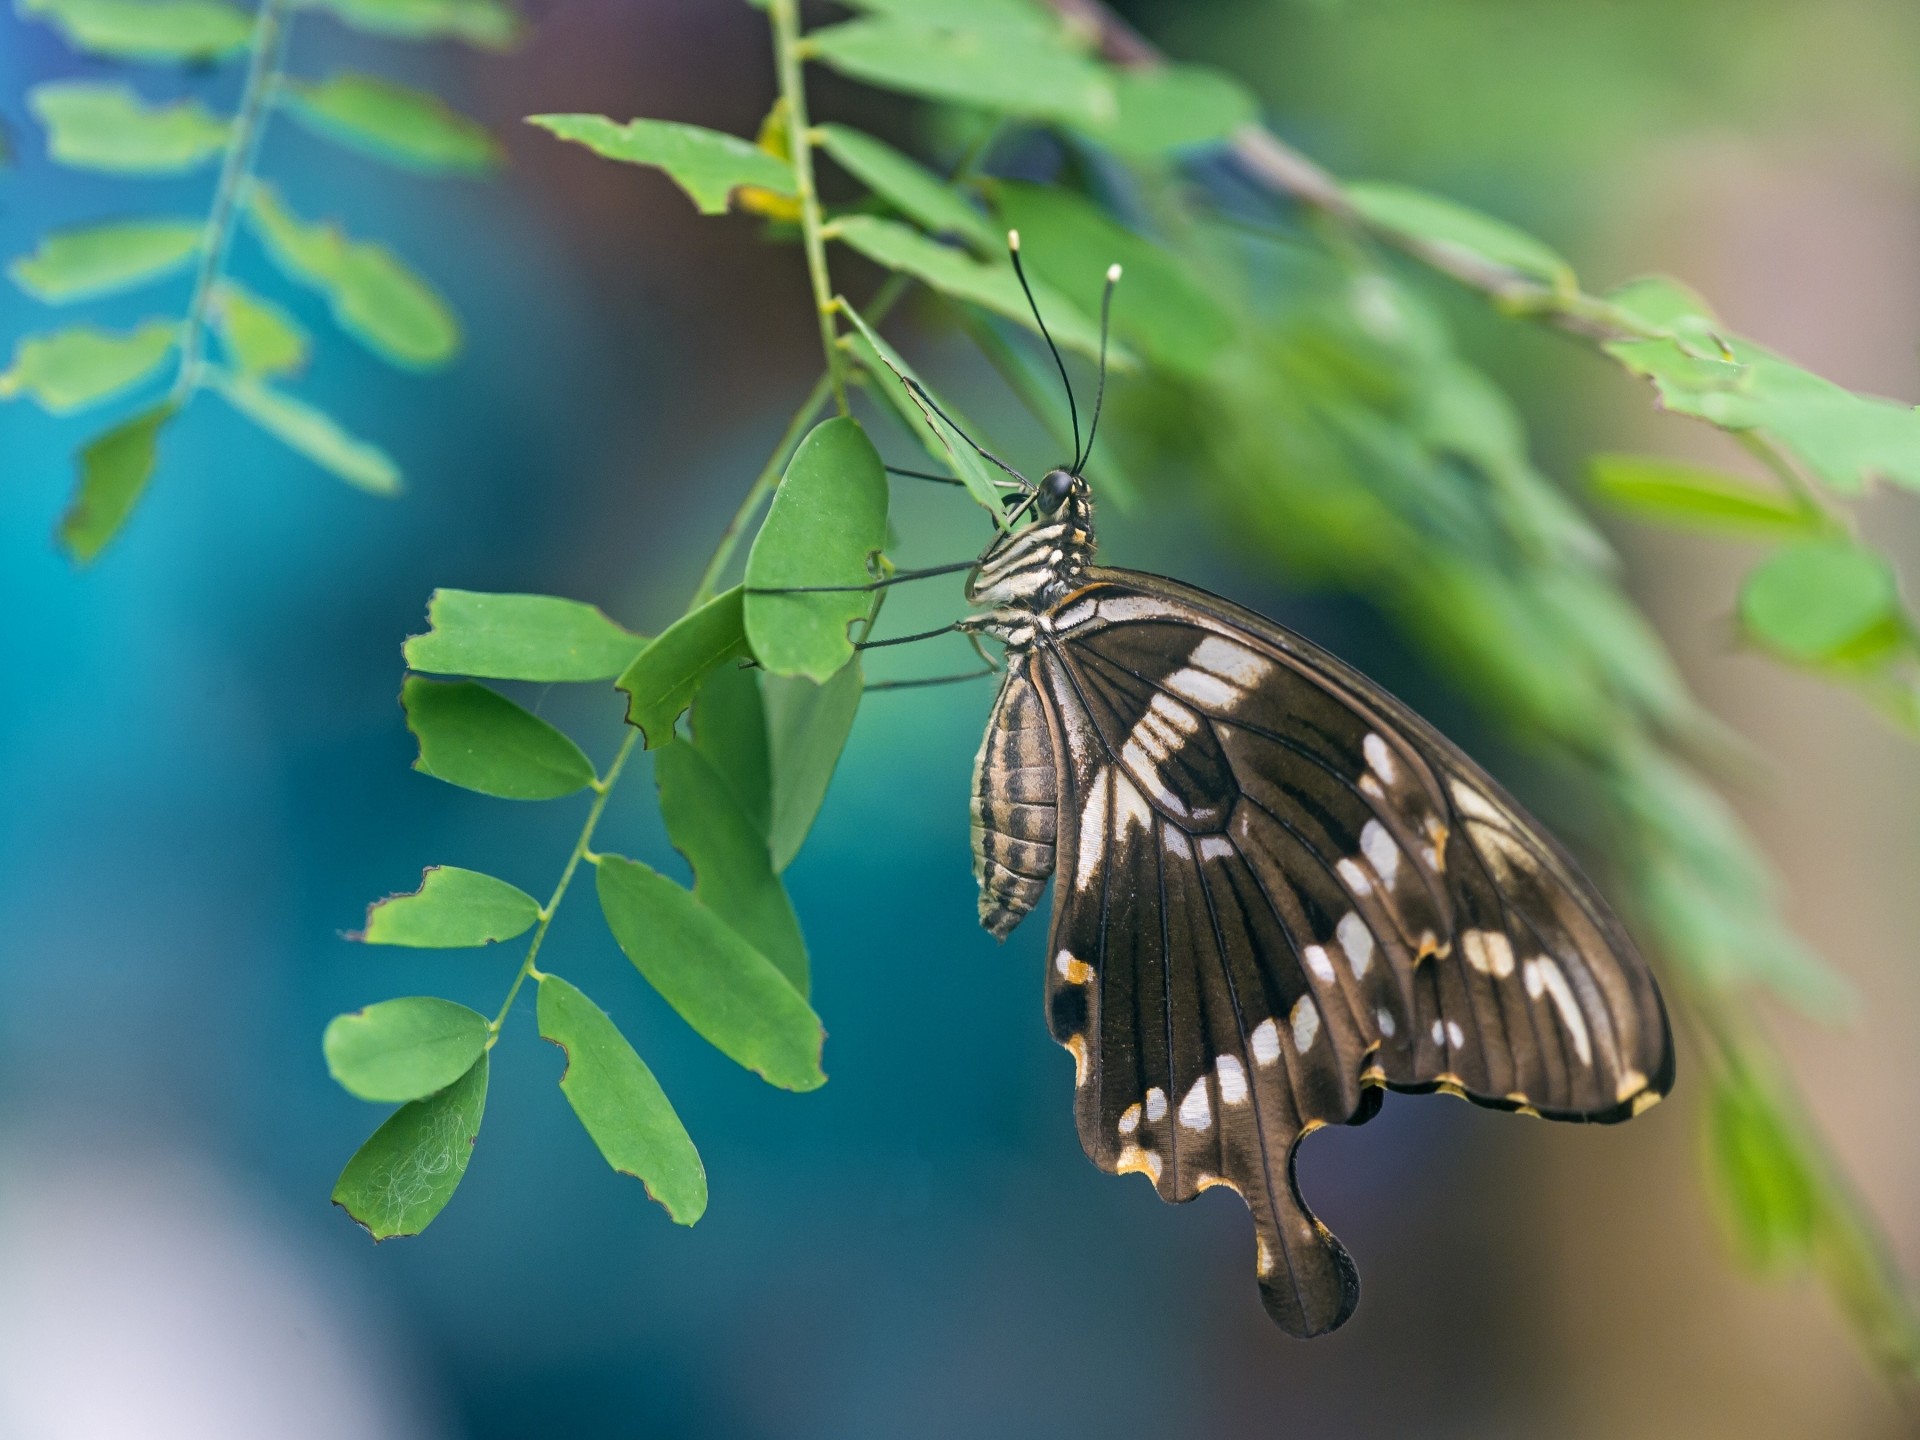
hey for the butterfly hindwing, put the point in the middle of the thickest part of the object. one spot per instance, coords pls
(1275, 887)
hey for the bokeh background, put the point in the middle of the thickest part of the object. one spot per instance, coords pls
(203, 780)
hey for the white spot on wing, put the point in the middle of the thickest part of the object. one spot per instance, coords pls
(1074, 972)
(1093, 830)
(1266, 1042)
(1175, 839)
(1499, 954)
(1156, 1103)
(1306, 1023)
(1202, 688)
(1455, 1035)
(1384, 1018)
(1551, 980)
(1319, 962)
(1130, 1119)
(1381, 850)
(1196, 1111)
(1357, 941)
(1355, 877)
(1130, 607)
(1077, 613)
(1233, 1080)
(1233, 663)
(1439, 1033)
(1216, 847)
(1379, 758)
(1472, 802)
(1130, 808)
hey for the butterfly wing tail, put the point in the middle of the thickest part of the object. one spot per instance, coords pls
(1308, 1281)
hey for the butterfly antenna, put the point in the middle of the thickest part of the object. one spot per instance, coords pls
(919, 393)
(1073, 412)
(1100, 395)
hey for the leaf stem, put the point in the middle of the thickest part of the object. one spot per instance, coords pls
(267, 48)
(785, 15)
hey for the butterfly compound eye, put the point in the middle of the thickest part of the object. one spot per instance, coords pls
(1053, 490)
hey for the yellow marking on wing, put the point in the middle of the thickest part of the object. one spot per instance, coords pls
(1077, 1047)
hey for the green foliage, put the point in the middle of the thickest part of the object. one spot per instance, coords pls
(620, 1104)
(478, 739)
(404, 1049)
(828, 519)
(108, 126)
(913, 190)
(452, 909)
(409, 1168)
(520, 637)
(707, 164)
(1821, 600)
(807, 729)
(1690, 497)
(661, 682)
(1434, 220)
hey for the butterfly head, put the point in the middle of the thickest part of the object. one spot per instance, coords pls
(1054, 490)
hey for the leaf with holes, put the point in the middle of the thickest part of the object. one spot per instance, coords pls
(409, 1168)
(404, 1049)
(452, 909)
(478, 739)
(392, 122)
(95, 260)
(827, 518)
(98, 126)
(729, 727)
(807, 728)
(193, 30)
(67, 370)
(708, 164)
(620, 1104)
(724, 988)
(661, 681)
(114, 470)
(520, 637)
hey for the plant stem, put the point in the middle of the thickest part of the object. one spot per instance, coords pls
(243, 145)
(785, 15)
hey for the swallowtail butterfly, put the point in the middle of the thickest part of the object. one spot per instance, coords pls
(1278, 892)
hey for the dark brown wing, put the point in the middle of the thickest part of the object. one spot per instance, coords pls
(1275, 887)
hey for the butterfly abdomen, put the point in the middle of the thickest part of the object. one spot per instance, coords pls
(1015, 795)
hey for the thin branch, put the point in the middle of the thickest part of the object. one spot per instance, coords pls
(785, 15)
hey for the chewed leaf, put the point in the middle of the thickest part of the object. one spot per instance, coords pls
(489, 24)
(374, 296)
(724, 988)
(1675, 493)
(98, 260)
(97, 126)
(620, 1104)
(1822, 600)
(114, 470)
(404, 1049)
(520, 637)
(1443, 222)
(732, 871)
(729, 727)
(312, 432)
(147, 29)
(409, 1168)
(68, 370)
(478, 739)
(661, 681)
(1174, 107)
(991, 286)
(907, 185)
(259, 338)
(708, 164)
(827, 518)
(453, 908)
(393, 122)
(807, 728)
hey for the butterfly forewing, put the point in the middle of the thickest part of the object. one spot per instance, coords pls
(1276, 887)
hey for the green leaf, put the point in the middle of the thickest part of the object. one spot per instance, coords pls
(374, 296)
(807, 728)
(708, 164)
(67, 370)
(520, 637)
(97, 126)
(114, 470)
(732, 870)
(906, 185)
(477, 738)
(620, 1103)
(993, 287)
(1159, 308)
(1820, 599)
(147, 29)
(729, 727)
(661, 681)
(1671, 492)
(404, 1049)
(409, 1168)
(1035, 76)
(102, 259)
(1174, 107)
(828, 516)
(724, 988)
(260, 339)
(942, 441)
(1770, 1198)
(453, 908)
(1010, 16)
(392, 122)
(311, 432)
(1442, 222)
(489, 24)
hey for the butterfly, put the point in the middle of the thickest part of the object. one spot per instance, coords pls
(1278, 893)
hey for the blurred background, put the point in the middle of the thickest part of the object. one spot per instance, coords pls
(205, 780)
